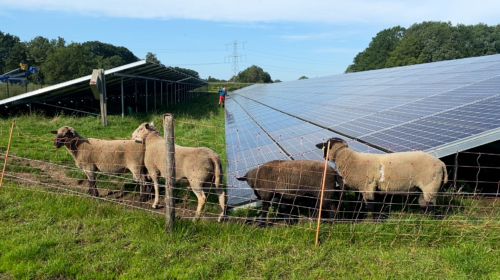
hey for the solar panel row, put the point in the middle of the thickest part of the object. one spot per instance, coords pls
(419, 107)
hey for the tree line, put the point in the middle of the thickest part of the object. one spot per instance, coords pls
(57, 61)
(425, 42)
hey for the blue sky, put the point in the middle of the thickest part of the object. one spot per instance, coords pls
(288, 39)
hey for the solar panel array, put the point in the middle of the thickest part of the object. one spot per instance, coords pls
(428, 107)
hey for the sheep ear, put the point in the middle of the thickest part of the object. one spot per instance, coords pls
(152, 123)
(244, 179)
(321, 146)
(73, 131)
(147, 126)
(54, 132)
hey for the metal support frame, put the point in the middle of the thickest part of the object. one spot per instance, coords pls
(66, 108)
(135, 94)
(161, 93)
(146, 96)
(155, 93)
(123, 101)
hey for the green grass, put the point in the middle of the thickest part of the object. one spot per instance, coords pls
(15, 89)
(46, 236)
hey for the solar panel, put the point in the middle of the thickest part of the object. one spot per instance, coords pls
(431, 107)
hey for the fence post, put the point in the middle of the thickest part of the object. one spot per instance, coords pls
(168, 130)
(7, 153)
(322, 192)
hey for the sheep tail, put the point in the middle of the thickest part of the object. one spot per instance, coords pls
(217, 171)
(445, 175)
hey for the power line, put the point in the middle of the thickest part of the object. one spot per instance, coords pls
(300, 58)
(235, 56)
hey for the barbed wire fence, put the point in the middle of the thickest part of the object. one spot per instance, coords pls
(465, 207)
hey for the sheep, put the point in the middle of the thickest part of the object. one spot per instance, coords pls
(294, 182)
(198, 166)
(108, 156)
(394, 173)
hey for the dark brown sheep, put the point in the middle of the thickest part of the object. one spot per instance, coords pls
(296, 182)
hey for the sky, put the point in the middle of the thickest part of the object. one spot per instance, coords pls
(287, 38)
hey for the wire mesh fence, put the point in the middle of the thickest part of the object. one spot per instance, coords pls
(265, 187)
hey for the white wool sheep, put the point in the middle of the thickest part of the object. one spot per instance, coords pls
(394, 173)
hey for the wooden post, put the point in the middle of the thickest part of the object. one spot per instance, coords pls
(168, 130)
(322, 192)
(7, 153)
(104, 102)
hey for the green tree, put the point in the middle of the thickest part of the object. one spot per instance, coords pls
(106, 51)
(66, 63)
(187, 71)
(213, 80)
(303, 78)
(253, 74)
(151, 57)
(379, 49)
(277, 81)
(7, 42)
(16, 56)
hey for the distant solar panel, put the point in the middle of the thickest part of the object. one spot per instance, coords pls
(439, 107)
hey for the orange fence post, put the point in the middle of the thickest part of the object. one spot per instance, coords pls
(7, 153)
(322, 192)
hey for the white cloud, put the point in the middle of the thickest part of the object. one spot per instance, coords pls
(325, 11)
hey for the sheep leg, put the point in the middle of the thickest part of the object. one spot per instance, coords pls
(286, 213)
(200, 195)
(427, 203)
(358, 208)
(92, 184)
(154, 178)
(222, 203)
(263, 216)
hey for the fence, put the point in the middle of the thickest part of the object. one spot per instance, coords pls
(284, 194)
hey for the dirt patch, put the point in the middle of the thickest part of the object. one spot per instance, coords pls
(53, 178)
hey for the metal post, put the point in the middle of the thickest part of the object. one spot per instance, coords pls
(7, 82)
(30, 108)
(455, 171)
(135, 94)
(168, 131)
(175, 94)
(155, 94)
(123, 102)
(161, 93)
(146, 96)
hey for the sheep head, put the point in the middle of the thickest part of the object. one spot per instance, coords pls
(249, 177)
(142, 132)
(64, 135)
(335, 144)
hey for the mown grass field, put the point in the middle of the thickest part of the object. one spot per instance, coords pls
(53, 236)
